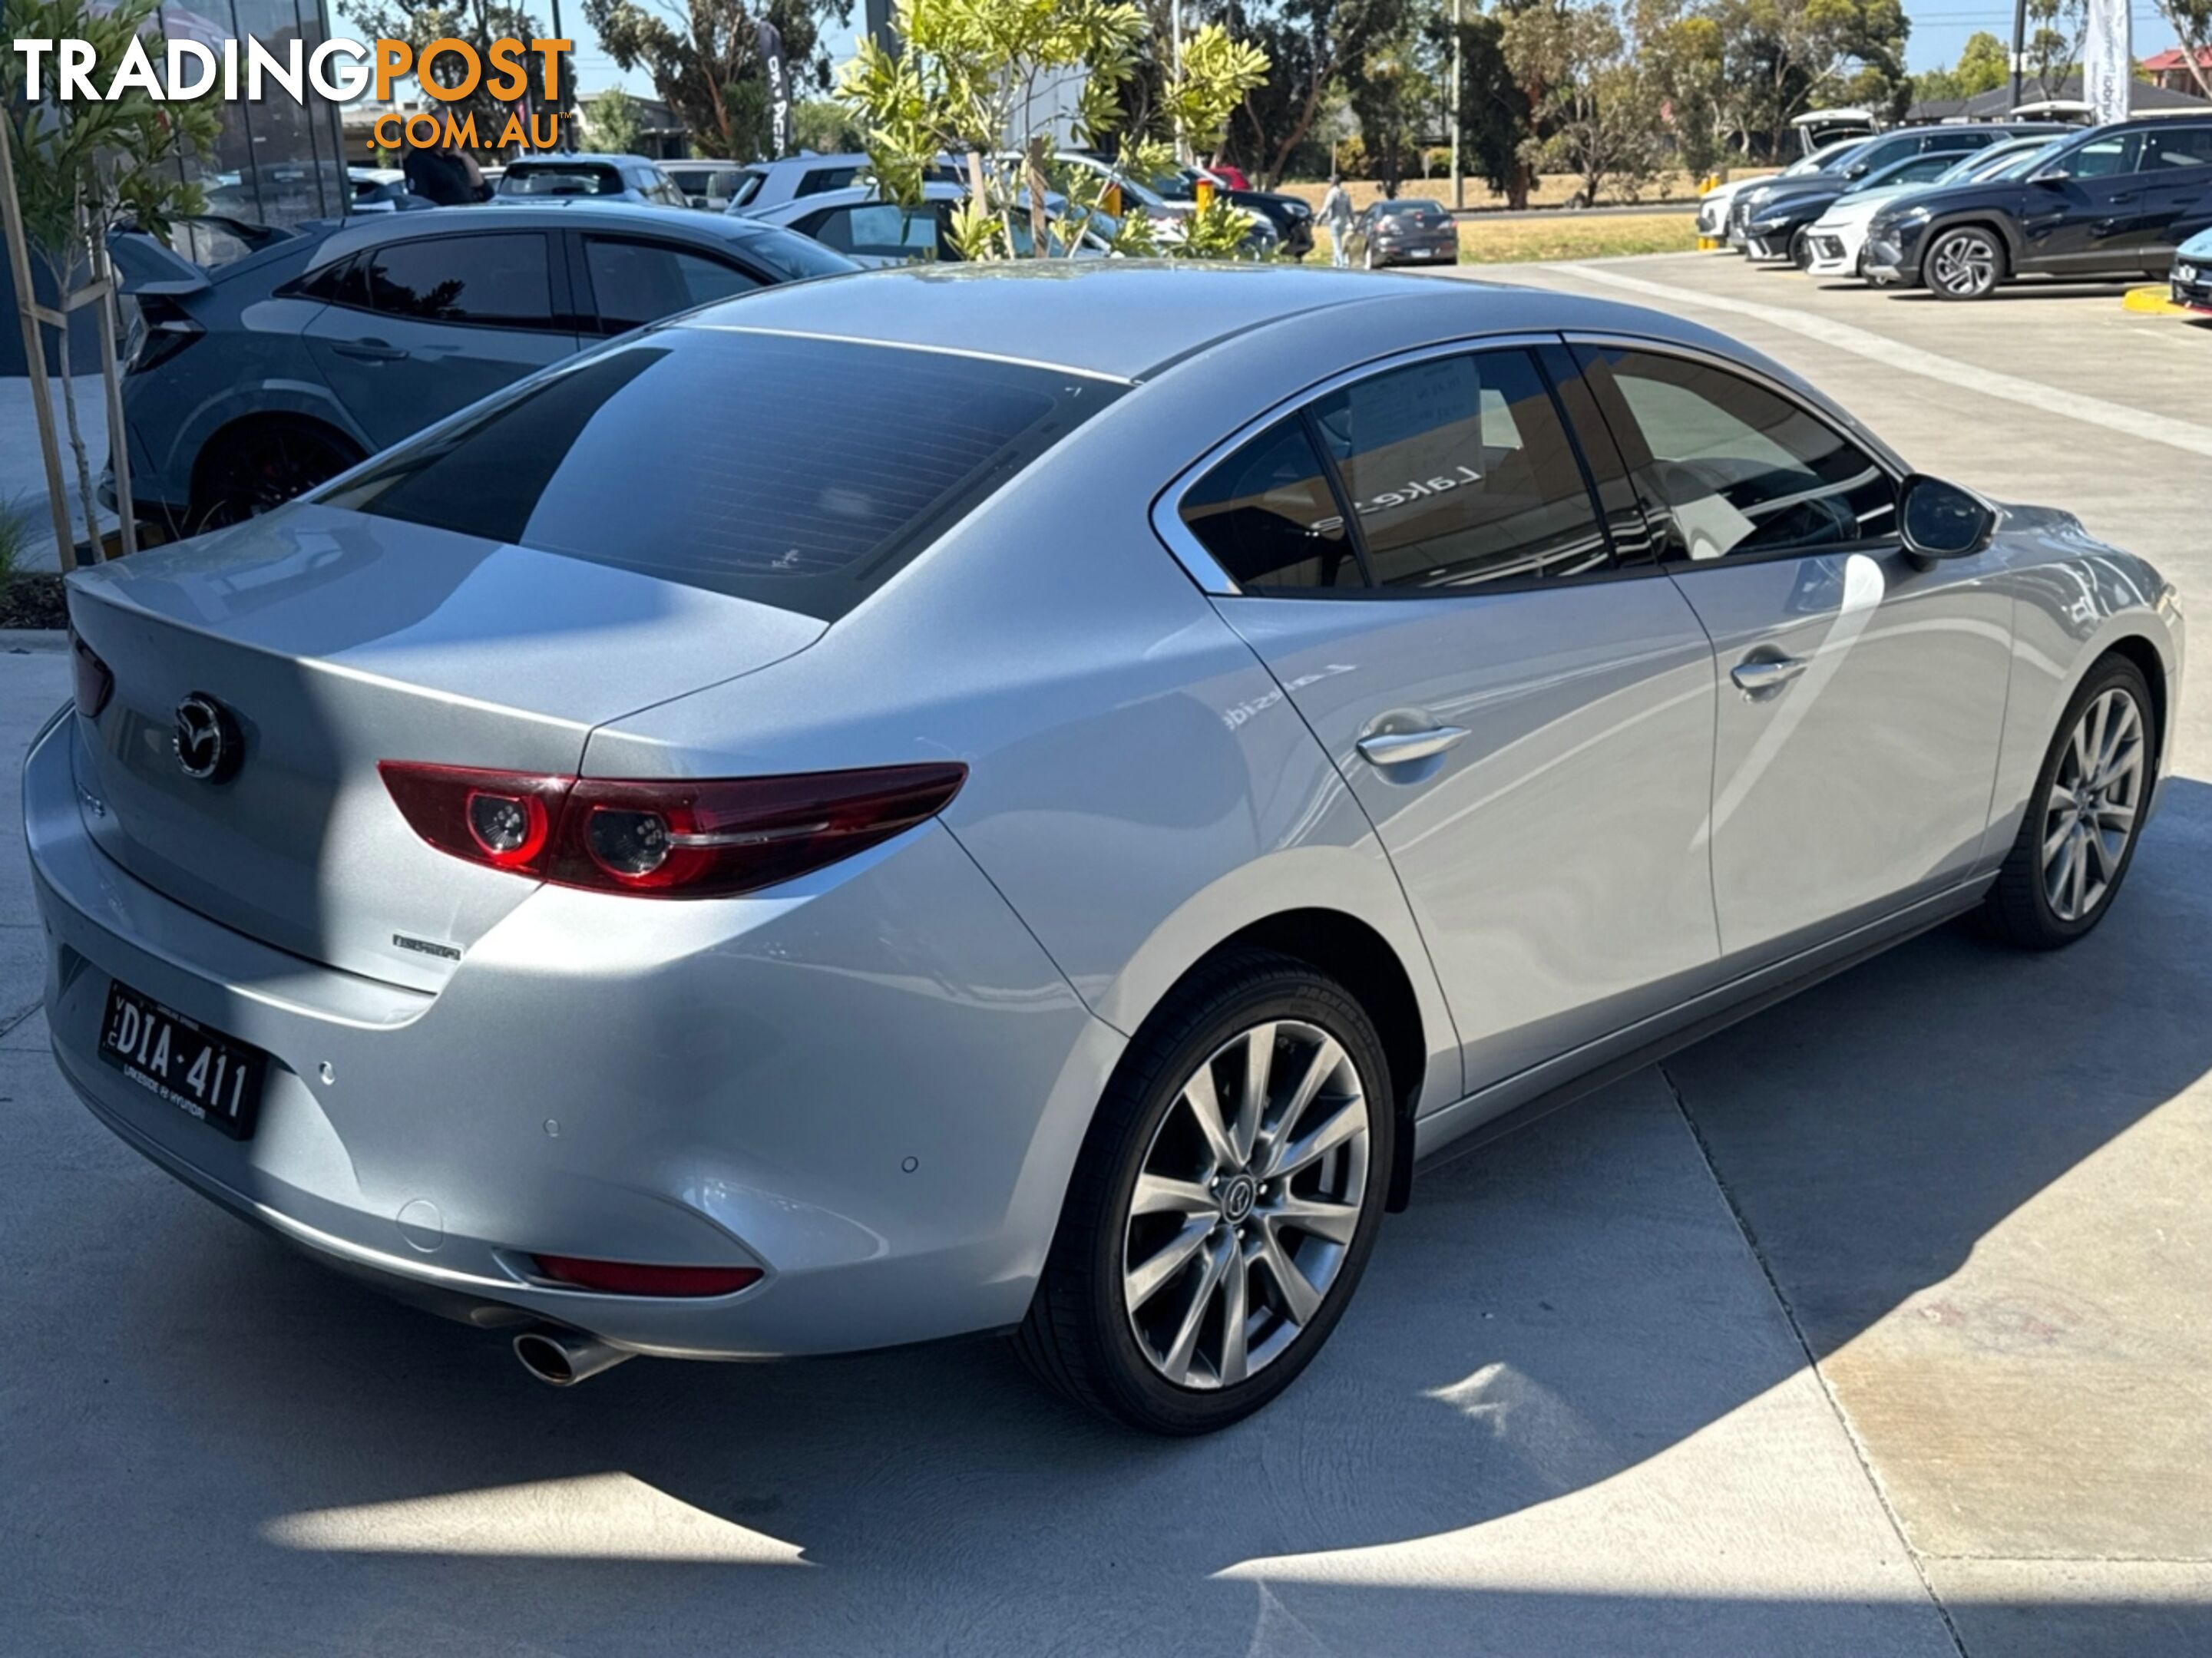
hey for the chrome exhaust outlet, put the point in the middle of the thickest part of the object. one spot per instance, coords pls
(561, 1358)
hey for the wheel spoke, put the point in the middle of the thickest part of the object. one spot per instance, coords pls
(2121, 818)
(1162, 1194)
(2058, 839)
(1348, 1119)
(1300, 1299)
(2060, 869)
(1143, 1281)
(1336, 1222)
(1236, 1314)
(1204, 1102)
(1252, 1103)
(1176, 1363)
(2081, 877)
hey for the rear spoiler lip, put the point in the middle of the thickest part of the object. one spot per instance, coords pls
(151, 267)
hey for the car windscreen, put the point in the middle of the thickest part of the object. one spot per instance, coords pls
(799, 472)
(790, 255)
(570, 179)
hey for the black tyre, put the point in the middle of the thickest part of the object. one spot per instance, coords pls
(1965, 264)
(2083, 819)
(260, 465)
(1225, 1202)
(1801, 249)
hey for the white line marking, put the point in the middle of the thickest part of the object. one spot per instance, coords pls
(1910, 359)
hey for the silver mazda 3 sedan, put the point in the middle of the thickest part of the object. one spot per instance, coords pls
(1025, 799)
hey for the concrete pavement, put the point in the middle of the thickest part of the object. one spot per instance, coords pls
(1874, 1326)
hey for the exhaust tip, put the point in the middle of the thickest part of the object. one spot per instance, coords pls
(561, 1358)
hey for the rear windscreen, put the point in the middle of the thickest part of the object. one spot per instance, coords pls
(797, 473)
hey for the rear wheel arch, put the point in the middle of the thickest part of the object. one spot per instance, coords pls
(1349, 950)
(224, 442)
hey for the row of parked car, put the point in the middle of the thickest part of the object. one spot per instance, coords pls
(1961, 210)
(250, 380)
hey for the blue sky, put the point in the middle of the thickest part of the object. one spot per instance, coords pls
(1940, 28)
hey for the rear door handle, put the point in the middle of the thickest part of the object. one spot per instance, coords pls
(1402, 747)
(1767, 674)
(369, 350)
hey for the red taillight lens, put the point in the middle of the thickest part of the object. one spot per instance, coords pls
(665, 839)
(90, 678)
(625, 1278)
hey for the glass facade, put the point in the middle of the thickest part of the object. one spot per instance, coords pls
(277, 161)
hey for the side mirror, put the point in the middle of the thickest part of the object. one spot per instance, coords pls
(1937, 520)
(1856, 170)
(2053, 176)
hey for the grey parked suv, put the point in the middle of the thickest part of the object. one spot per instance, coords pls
(249, 383)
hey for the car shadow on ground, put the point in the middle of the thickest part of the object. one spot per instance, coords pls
(2030, 290)
(1553, 1314)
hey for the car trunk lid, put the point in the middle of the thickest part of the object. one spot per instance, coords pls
(329, 641)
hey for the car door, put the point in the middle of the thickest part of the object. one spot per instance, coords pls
(2080, 212)
(627, 282)
(2175, 172)
(434, 323)
(1861, 692)
(1416, 556)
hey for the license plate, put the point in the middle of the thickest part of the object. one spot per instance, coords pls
(215, 1078)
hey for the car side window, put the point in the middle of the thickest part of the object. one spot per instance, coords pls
(1734, 468)
(2102, 158)
(824, 179)
(1267, 516)
(633, 284)
(743, 186)
(876, 229)
(338, 282)
(500, 281)
(1459, 470)
(2163, 152)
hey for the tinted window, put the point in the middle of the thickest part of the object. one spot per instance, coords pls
(877, 229)
(503, 280)
(745, 186)
(2101, 158)
(339, 281)
(787, 253)
(569, 178)
(826, 464)
(657, 186)
(1459, 470)
(1739, 468)
(1267, 516)
(2163, 151)
(822, 179)
(638, 283)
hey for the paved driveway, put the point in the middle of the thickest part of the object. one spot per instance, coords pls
(1876, 1326)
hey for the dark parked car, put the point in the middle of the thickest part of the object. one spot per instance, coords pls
(1404, 232)
(248, 384)
(2114, 202)
(1872, 157)
(1782, 229)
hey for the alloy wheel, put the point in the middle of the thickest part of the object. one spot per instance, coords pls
(2090, 814)
(1246, 1205)
(1963, 265)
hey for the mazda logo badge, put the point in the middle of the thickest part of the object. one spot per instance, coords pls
(206, 739)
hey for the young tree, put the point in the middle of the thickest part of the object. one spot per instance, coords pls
(85, 170)
(1985, 63)
(704, 58)
(1598, 116)
(982, 79)
(611, 124)
(2056, 29)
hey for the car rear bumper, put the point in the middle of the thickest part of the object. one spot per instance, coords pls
(872, 1084)
(1426, 249)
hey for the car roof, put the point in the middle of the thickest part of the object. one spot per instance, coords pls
(579, 213)
(932, 190)
(1131, 319)
(579, 158)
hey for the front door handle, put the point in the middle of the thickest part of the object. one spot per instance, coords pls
(1765, 674)
(1403, 748)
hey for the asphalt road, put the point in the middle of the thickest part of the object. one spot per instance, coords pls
(1874, 1326)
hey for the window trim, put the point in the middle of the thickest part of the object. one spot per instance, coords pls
(1842, 426)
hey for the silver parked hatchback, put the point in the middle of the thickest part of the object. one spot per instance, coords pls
(1025, 799)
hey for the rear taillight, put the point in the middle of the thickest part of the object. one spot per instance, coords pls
(91, 679)
(164, 328)
(665, 839)
(623, 1277)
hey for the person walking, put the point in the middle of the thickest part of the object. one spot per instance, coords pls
(1336, 213)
